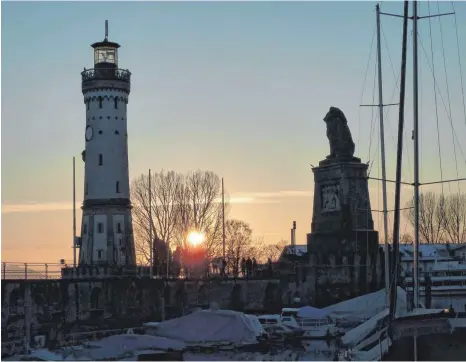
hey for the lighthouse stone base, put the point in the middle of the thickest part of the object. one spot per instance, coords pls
(343, 245)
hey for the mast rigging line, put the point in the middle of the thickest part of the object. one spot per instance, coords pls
(435, 97)
(443, 102)
(430, 66)
(420, 184)
(396, 78)
(448, 89)
(459, 61)
(395, 88)
(364, 84)
(372, 118)
(401, 209)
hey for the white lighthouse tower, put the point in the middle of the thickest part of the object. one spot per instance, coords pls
(106, 230)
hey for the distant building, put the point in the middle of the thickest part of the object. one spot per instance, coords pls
(429, 255)
(294, 260)
(442, 274)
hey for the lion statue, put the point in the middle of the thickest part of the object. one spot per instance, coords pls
(338, 134)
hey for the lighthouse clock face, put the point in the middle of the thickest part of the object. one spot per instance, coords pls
(88, 133)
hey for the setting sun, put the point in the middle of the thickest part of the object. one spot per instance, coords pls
(195, 238)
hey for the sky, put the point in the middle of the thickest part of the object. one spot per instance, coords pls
(237, 88)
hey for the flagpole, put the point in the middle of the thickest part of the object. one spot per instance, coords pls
(74, 215)
(223, 218)
(151, 241)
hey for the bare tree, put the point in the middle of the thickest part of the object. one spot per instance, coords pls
(405, 238)
(455, 218)
(431, 216)
(165, 188)
(239, 243)
(200, 209)
(269, 251)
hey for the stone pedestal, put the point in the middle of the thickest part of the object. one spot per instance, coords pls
(343, 245)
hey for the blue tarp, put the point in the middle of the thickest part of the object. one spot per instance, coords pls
(311, 312)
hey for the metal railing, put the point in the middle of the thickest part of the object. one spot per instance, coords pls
(40, 271)
(106, 74)
(31, 270)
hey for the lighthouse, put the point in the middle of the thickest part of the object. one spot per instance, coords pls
(106, 228)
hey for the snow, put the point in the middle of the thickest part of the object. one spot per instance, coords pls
(448, 266)
(42, 353)
(119, 345)
(204, 326)
(356, 335)
(368, 305)
(428, 251)
(151, 324)
(255, 324)
(311, 312)
(298, 250)
(423, 311)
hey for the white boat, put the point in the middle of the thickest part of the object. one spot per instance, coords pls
(204, 328)
(274, 327)
(318, 326)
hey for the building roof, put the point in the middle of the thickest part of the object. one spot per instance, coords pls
(298, 250)
(429, 251)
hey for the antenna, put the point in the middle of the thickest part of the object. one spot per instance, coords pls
(106, 29)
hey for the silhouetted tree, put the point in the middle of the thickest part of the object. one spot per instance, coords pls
(238, 243)
(272, 251)
(431, 216)
(455, 218)
(441, 218)
(200, 209)
(165, 187)
(180, 204)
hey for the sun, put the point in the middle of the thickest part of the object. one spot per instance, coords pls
(195, 238)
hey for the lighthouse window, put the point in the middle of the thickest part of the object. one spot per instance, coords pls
(100, 228)
(118, 186)
(100, 102)
(88, 104)
(116, 103)
(118, 228)
(101, 159)
(99, 254)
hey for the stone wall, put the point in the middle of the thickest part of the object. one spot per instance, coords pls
(57, 308)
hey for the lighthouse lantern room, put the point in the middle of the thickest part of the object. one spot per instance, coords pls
(106, 229)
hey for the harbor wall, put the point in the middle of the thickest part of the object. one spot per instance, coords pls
(55, 309)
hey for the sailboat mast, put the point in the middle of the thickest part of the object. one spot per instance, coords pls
(416, 157)
(399, 157)
(382, 152)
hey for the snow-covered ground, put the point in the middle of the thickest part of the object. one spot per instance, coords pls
(313, 351)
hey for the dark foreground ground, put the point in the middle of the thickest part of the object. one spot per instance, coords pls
(434, 347)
